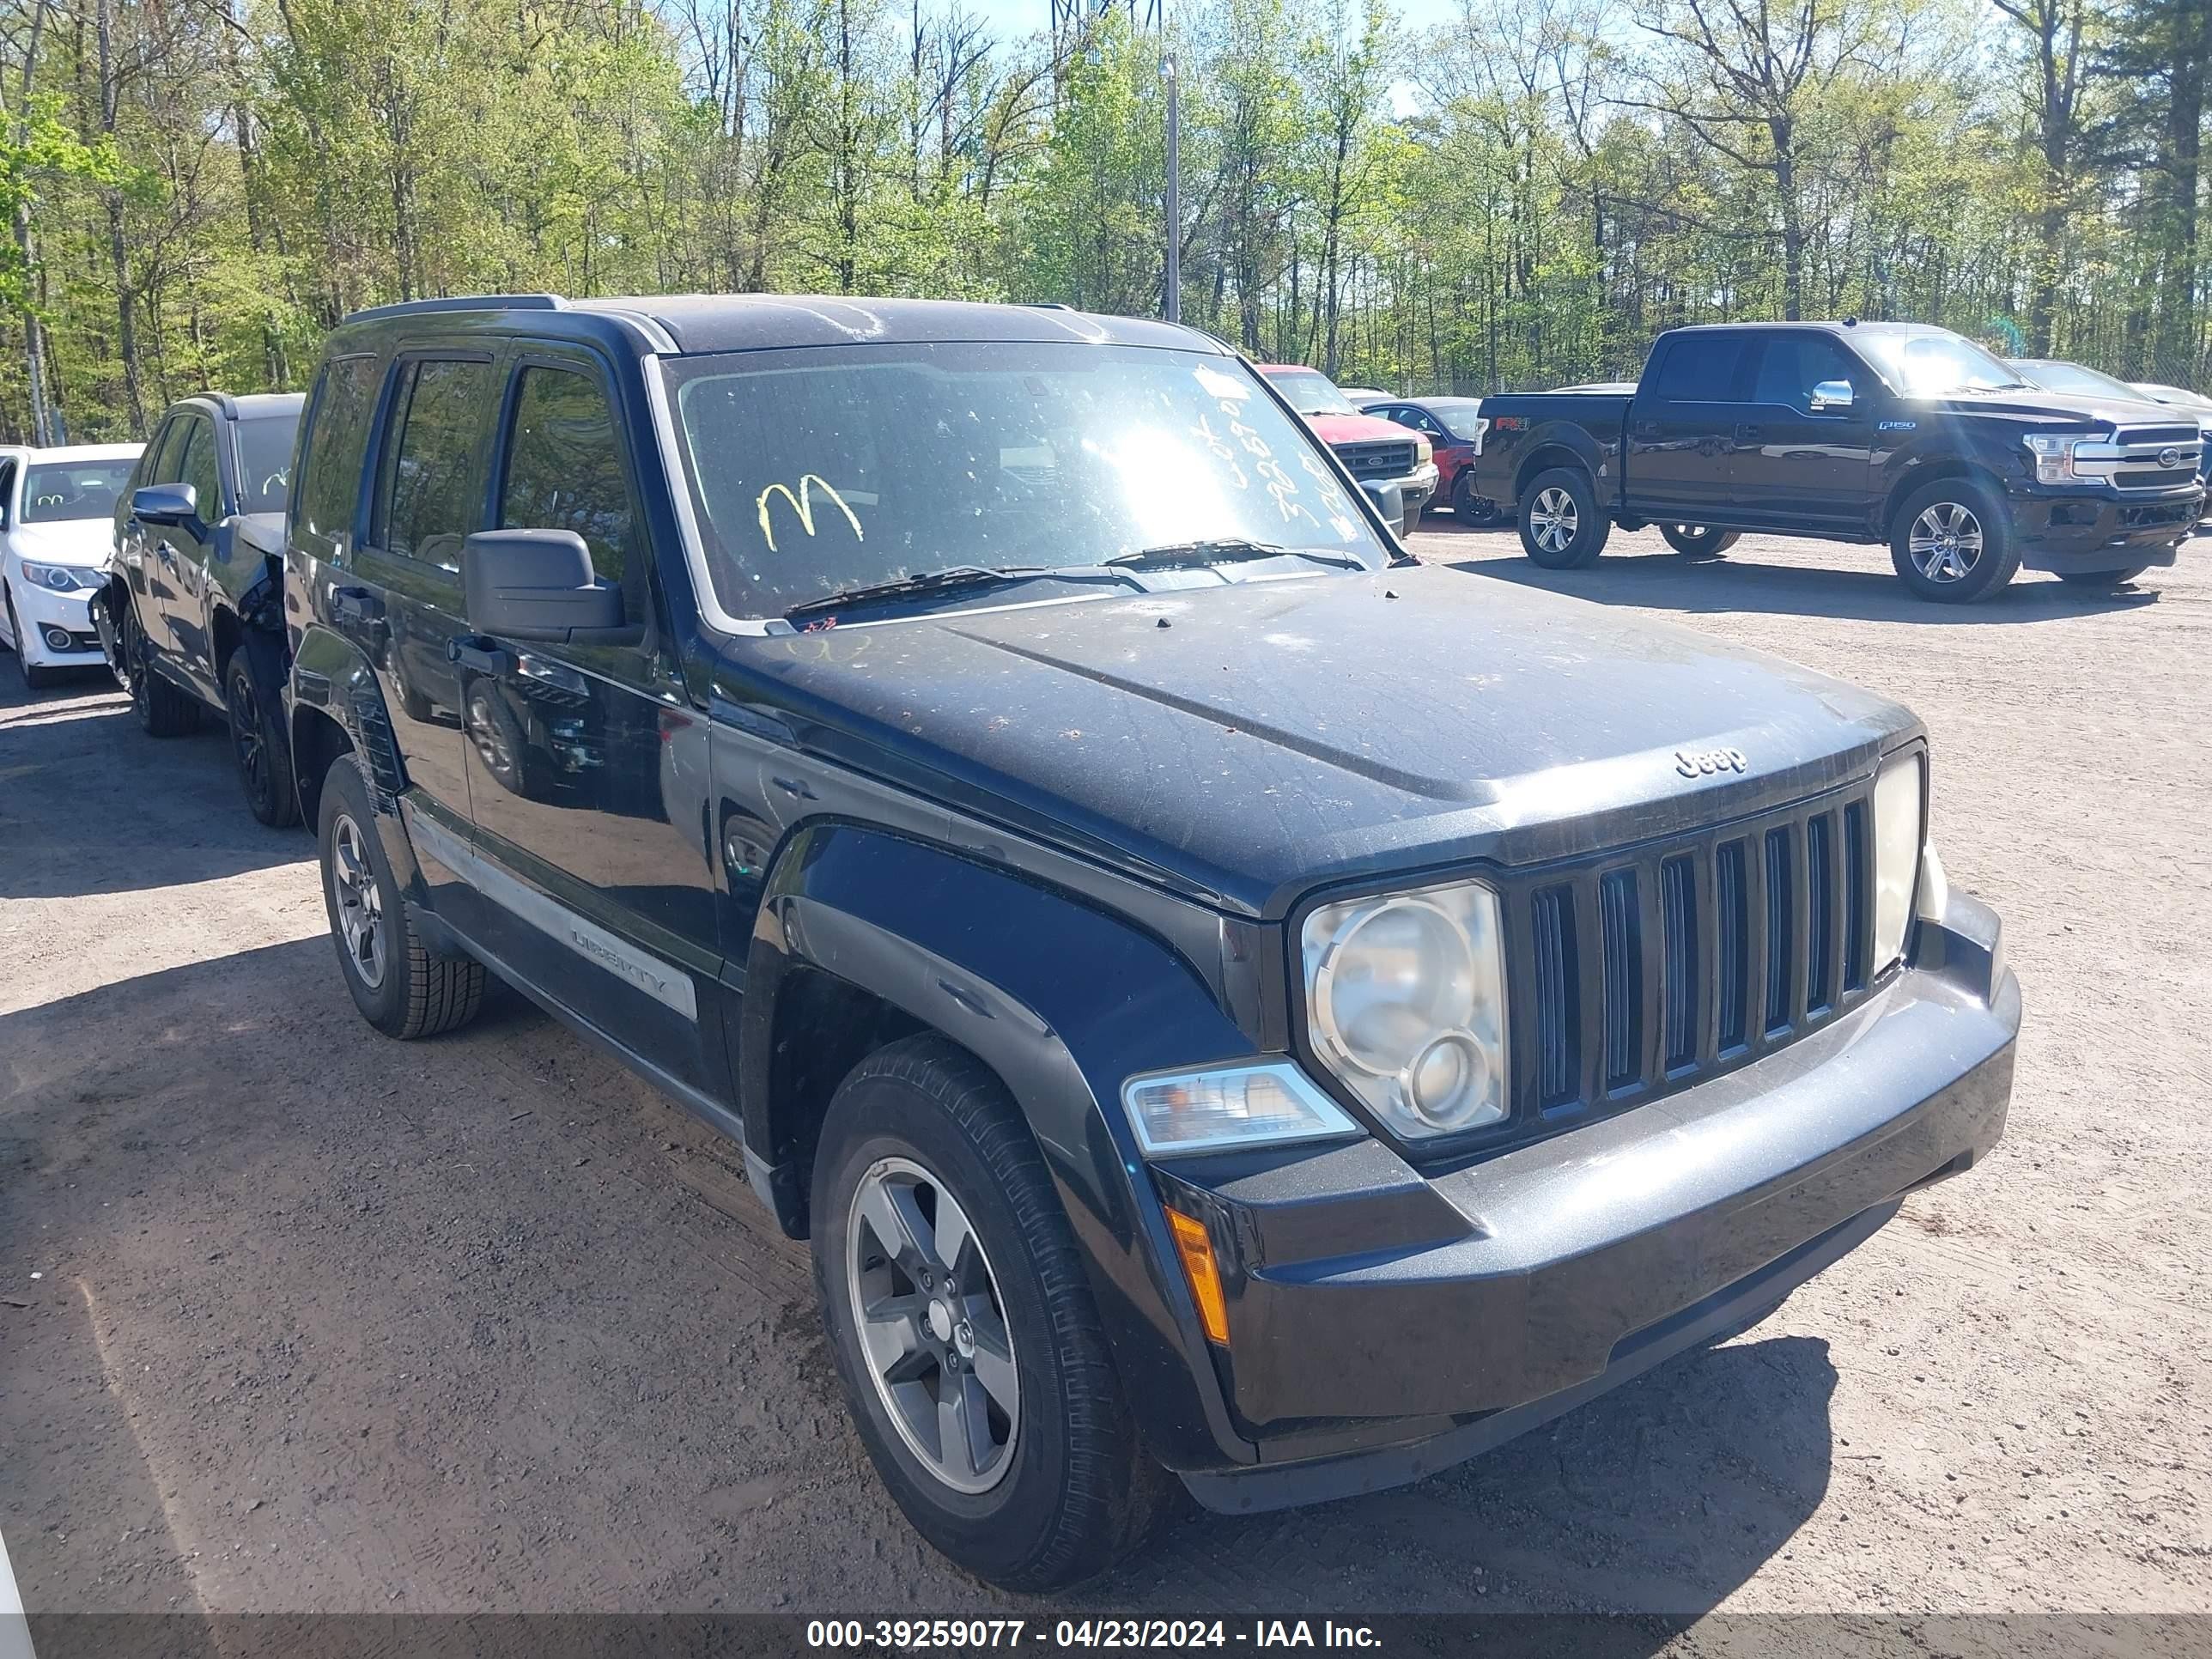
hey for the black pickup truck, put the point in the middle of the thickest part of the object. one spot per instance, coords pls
(1865, 432)
(993, 763)
(191, 618)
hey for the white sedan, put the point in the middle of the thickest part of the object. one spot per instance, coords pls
(57, 534)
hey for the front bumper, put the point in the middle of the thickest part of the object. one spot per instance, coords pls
(1383, 1324)
(1418, 487)
(45, 614)
(2104, 530)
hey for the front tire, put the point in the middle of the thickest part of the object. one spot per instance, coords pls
(1952, 542)
(35, 676)
(256, 743)
(1699, 541)
(1562, 525)
(1468, 506)
(992, 1410)
(399, 985)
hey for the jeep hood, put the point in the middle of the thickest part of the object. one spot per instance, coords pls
(1247, 742)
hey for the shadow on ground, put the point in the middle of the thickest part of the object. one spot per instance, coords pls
(1659, 579)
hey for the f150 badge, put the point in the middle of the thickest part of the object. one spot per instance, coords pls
(1703, 763)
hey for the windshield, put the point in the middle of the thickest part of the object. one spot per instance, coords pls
(264, 462)
(1934, 364)
(816, 470)
(1458, 415)
(58, 490)
(1312, 392)
(2072, 377)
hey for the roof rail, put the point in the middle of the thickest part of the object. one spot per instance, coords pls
(462, 302)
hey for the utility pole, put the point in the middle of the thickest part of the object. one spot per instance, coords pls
(1171, 300)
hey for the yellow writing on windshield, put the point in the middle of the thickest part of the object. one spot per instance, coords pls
(803, 504)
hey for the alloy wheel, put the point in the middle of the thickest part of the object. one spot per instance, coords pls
(359, 900)
(1946, 542)
(1554, 520)
(489, 736)
(245, 739)
(932, 1327)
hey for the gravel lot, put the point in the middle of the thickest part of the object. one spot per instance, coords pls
(294, 1318)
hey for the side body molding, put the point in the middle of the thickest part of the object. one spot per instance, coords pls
(1061, 1000)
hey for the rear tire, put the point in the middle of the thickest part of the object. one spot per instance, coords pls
(1059, 1488)
(2101, 581)
(1562, 526)
(399, 985)
(1951, 541)
(164, 710)
(1699, 541)
(256, 743)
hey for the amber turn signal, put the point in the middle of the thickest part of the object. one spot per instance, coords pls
(1197, 1252)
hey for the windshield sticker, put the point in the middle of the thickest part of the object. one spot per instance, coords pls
(1218, 385)
(803, 504)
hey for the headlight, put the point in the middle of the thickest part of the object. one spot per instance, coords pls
(1235, 1105)
(1423, 451)
(60, 578)
(2054, 458)
(1405, 1001)
(1898, 818)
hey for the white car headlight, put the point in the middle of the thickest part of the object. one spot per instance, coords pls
(1406, 1002)
(60, 578)
(1899, 816)
(1265, 1103)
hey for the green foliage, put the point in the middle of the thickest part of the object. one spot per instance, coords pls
(1521, 197)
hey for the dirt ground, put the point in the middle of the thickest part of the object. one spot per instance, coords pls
(296, 1318)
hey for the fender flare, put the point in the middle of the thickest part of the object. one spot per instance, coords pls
(1560, 435)
(1061, 1000)
(332, 680)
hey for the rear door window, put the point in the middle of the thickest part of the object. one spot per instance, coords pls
(1699, 368)
(429, 497)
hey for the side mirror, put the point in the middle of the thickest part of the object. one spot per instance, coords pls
(165, 504)
(1831, 394)
(536, 585)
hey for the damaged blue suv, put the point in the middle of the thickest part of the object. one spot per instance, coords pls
(1225, 1005)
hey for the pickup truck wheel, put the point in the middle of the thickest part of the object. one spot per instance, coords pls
(1699, 541)
(399, 985)
(1951, 541)
(963, 1328)
(1562, 526)
(256, 743)
(2102, 581)
(163, 709)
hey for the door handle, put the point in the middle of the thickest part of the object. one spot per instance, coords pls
(1747, 431)
(1644, 429)
(475, 651)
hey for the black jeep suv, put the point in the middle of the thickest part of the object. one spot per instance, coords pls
(964, 753)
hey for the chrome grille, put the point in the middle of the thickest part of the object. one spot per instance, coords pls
(1383, 458)
(2145, 457)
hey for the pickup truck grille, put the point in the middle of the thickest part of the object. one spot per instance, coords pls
(1640, 973)
(1384, 458)
(2140, 455)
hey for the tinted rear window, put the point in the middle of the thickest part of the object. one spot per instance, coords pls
(1699, 368)
(264, 462)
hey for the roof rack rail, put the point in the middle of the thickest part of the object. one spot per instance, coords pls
(463, 302)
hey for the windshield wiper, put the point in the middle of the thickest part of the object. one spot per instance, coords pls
(953, 578)
(1230, 549)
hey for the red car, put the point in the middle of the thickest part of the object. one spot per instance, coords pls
(1454, 426)
(1370, 449)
